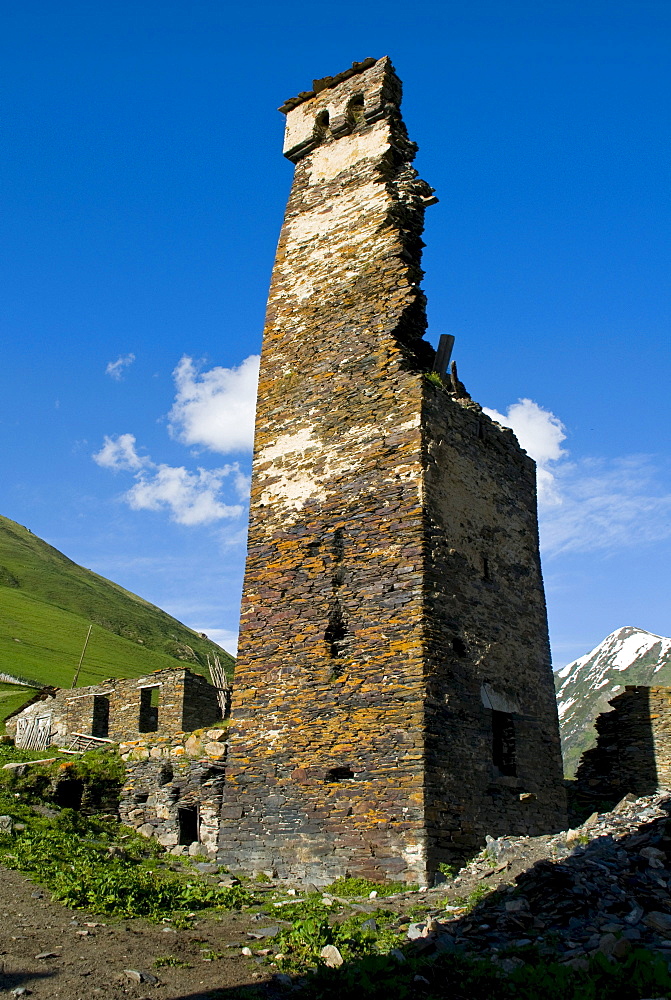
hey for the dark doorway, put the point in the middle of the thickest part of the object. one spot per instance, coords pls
(503, 743)
(68, 793)
(187, 820)
(149, 698)
(101, 716)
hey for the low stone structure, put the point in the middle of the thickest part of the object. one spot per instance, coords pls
(164, 702)
(173, 791)
(633, 750)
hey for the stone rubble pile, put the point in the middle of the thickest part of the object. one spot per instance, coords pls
(603, 887)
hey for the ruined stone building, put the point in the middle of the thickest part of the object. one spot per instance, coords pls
(633, 749)
(394, 699)
(174, 776)
(163, 702)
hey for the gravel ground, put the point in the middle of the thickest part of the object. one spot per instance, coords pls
(52, 951)
(604, 887)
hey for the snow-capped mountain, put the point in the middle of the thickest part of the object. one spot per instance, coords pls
(584, 687)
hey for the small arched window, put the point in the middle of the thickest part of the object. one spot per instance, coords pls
(321, 124)
(354, 111)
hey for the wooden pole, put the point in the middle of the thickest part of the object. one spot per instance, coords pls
(81, 658)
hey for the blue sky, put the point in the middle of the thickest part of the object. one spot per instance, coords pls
(144, 188)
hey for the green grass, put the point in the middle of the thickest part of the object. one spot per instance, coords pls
(92, 861)
(50, 642)
(350, 887)
(12, 696)
(47, 603)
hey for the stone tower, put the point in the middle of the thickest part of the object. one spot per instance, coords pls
(394, 699)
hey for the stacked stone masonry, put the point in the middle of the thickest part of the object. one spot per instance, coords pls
(633, 750)
(173, 792)
(394, 699)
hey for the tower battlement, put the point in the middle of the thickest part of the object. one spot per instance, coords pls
(394, 698)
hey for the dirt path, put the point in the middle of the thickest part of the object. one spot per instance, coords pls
(84, 956)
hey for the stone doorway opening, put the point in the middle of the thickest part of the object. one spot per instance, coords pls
(149, 699)
(187, 825)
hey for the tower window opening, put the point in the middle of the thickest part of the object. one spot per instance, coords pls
(336, 632)
(459, 646)
(338, 545)
(485, 569)
(338, 774)
(321, 124)
(149, 699)
(503, 743)
(354, 111)
(100, 722)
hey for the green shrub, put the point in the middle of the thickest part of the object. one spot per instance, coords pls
(104, 867)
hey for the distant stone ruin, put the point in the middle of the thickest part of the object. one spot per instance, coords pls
(394, 699)
(633, 750)
(164, 702)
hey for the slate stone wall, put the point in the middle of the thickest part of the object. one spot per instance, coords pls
(633, 749)
(354, 748)
(487, 646)
(158, 791)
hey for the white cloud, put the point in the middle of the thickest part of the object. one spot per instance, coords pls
(215, 409)
(540, 433)
(223, 637)
(118, 452)
(115, 368)
(589, 504)
(190, 497)
(606, 504)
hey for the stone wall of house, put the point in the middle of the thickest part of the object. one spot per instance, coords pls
(393, 636)
(173, 789)
(163, 702)
(633, 749)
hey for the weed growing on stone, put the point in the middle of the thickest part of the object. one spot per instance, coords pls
(210, 955)
(449, 871)
(171, 961)
(356, 936)
(471, 901)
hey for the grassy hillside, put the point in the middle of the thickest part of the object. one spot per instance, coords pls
(47, 603)
(12, 696)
